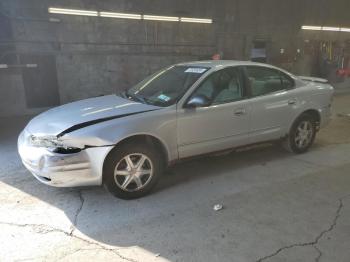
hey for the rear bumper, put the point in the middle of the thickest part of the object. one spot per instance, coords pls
(63, 170)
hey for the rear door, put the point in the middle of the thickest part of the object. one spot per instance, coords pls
(273, 102)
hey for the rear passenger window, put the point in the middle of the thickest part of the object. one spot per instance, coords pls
(288, 82)
(265, 80)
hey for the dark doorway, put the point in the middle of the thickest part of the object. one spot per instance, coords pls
(40, 80)
(258, 52)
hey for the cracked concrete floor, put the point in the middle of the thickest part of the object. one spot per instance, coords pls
(277, 207)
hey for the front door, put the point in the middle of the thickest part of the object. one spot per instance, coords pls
(223, 123)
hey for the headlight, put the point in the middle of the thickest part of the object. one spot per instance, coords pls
(45, 141)
(53, 144)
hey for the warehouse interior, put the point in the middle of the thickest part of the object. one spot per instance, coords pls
(50, 59)
(275, 206)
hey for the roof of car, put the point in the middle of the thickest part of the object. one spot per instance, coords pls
(219, 63)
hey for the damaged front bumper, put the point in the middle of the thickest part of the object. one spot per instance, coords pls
(83, 168)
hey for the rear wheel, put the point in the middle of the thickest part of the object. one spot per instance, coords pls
(301, 135)
(132, 170)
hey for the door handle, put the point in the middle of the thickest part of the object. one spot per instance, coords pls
(239, 112)
(292, 102)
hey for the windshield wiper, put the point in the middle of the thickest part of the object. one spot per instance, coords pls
(134, 97)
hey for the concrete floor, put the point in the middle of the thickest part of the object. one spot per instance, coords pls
(277, 207)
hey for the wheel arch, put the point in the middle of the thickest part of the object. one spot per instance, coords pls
(311, 112)
(142, 138)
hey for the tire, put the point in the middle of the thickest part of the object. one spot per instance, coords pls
(299, 141)
(125, 177)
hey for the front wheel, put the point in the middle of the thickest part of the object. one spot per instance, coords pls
(132, 170)
(301, 135)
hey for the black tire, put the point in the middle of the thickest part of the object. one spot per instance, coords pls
(117, 155)
(290, 142)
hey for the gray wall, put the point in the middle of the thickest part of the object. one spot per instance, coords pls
(95, 55)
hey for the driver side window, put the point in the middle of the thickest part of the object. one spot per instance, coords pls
(220, 87)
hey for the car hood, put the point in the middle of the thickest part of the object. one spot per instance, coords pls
(72, 116)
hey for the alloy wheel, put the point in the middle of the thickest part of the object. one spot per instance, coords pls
(133, 172)
(304, 134)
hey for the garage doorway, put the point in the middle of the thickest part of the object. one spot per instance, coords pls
(40, 81)
(258, 51)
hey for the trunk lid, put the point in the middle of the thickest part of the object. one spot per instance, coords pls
(313, 79)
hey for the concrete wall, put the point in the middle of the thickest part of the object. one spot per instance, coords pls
(97, 55)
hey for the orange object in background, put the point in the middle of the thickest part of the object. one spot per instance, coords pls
(343, 72)
(216, 57)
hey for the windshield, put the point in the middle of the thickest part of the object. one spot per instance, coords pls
(167, 86)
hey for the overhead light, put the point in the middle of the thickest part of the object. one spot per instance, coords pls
(161, 18)
(196, 20)
(120, 15)
(72, 11)
(308, 27)
(328, 28)
(65, 11)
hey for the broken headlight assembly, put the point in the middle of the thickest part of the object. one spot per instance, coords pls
(53, 144)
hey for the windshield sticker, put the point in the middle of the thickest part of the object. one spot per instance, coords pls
(195, 70)
(164, 98)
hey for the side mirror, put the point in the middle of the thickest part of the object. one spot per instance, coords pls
(198, 101)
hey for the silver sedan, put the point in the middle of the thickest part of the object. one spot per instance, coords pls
(125, 141)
